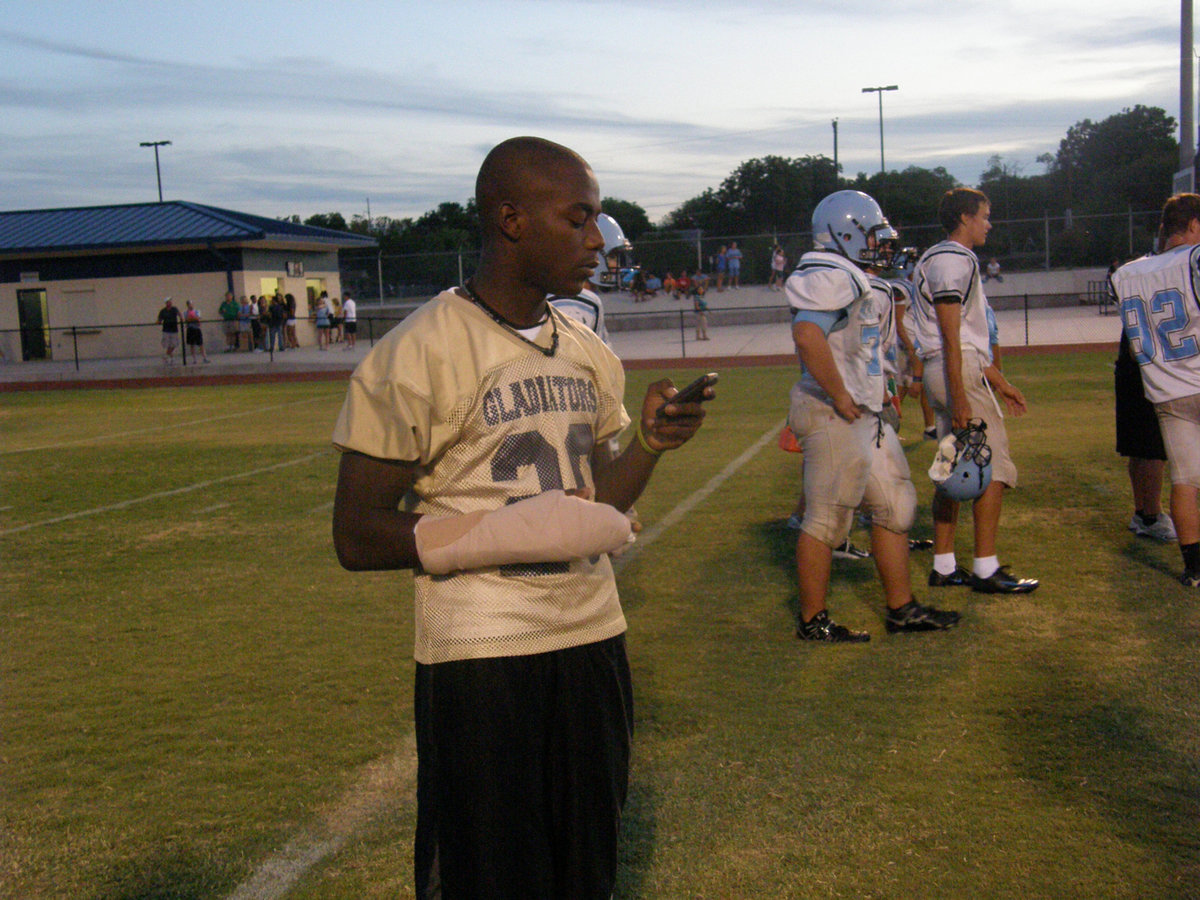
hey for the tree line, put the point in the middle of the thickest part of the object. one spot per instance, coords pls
(1100, 173)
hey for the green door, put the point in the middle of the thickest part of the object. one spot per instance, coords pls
(35, 331)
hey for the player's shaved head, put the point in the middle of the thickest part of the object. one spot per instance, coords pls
(519, 171)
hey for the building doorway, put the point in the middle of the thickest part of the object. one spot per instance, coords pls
(314, 287)
(34, 322)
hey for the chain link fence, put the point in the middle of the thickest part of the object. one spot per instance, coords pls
(83, 344)
(1049, 242)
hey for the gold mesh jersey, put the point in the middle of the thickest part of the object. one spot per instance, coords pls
(489, 420)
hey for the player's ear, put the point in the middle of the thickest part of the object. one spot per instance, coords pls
(511, 220)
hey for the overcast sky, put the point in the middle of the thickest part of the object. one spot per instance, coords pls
(302, 107)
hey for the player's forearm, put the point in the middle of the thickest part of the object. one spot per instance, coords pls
(374, 539)
(620, 481)
(995, 377)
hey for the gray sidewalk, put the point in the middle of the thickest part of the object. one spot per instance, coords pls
(735, 327)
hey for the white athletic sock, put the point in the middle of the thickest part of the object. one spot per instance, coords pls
(986, 566)
(944, 563)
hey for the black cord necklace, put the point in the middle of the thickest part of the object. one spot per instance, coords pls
(516, 329)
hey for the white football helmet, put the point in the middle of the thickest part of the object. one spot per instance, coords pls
(607, 275)
(843, 223)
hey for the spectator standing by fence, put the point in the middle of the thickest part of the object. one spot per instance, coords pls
(264, 320)
(721, 266)
(335, 319)
(194, 335)
(168, 318)
(256, 332)
(701, 307)
(734, 257)
(292, 342)
(228, 311)
(323, 324)
(277, 323)
(778, 269)
(350, 321)
(244, 333)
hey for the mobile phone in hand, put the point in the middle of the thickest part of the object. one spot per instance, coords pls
(693, 393)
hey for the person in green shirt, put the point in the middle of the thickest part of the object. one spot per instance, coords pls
(229, 321)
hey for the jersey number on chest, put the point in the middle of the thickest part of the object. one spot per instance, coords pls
(531, 448)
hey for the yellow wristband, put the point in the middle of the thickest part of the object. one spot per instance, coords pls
(641, 439)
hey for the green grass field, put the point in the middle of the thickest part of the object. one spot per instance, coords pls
(192, 687)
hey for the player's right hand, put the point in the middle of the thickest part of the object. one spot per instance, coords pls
(961, 416)
(844, 406)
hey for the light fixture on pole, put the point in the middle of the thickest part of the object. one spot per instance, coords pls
(157, 170)
(879, 91)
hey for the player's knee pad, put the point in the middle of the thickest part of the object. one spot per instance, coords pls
(828, 523)
(551, 527)
(890, 497)
(832, 494)
(895, 510)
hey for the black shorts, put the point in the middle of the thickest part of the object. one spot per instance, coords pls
(351, 327)
(522, 771)
(1137, 425)
(195, 337)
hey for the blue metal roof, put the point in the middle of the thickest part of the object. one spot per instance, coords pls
(152, 224)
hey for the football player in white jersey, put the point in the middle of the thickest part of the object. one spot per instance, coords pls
(467, 439)
(587, 308)
(1160, 314)
(851, 455)
(950, 329)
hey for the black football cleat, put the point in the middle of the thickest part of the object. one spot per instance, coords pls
(912, 616)
(822, 629)
(960, 577)
(920, 544)
(1003, 582)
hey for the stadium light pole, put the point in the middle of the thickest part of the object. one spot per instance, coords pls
(879, 91)
(157, 170)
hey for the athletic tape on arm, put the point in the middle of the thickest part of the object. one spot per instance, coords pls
(551, 527)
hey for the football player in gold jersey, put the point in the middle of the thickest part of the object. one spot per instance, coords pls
(468, 438)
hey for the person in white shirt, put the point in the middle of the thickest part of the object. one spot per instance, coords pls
(951, 329)
(350, 321)
(1160, 315)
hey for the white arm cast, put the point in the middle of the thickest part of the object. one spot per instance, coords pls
(551, 527)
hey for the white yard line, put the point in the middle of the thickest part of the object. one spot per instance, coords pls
(376, 791)
(159, 495)
(651, 534)
(393, 778)
(121, 435)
